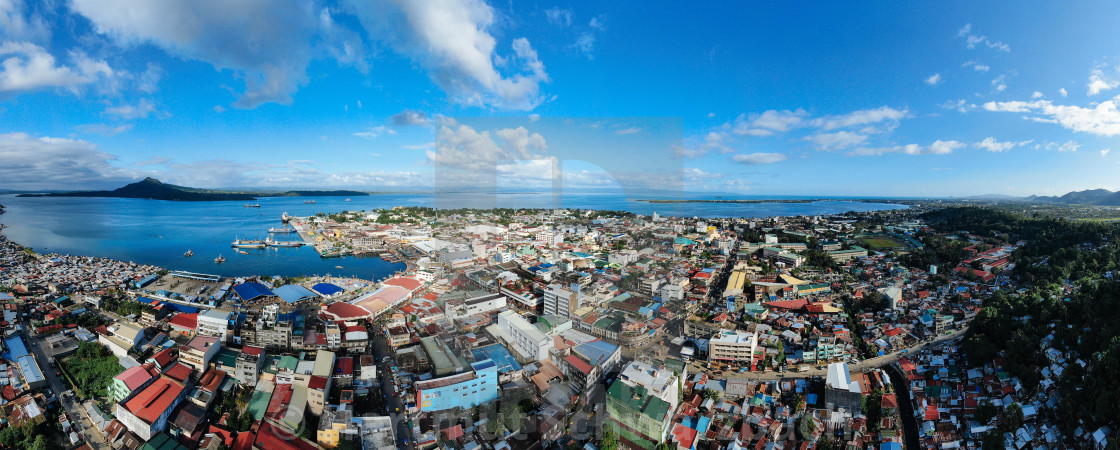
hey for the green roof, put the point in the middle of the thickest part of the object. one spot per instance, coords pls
(609, 323)
(638, 399)
(656, 409)
(675, 365)
(288, 362)
(258, 404)
(162, 441)
(226, 357)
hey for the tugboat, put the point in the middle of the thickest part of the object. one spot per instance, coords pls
(219, 259)
(189, 253)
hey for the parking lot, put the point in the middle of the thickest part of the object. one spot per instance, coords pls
(185, 286)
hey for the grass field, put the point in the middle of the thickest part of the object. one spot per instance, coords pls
(1098, 219)
(880, 242)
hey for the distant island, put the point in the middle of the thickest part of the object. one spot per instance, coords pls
(151, 188)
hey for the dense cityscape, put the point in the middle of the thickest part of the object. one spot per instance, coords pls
(561, 328)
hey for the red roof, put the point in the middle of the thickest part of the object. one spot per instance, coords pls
(889, 401)
(134, 377)
(273, 438)
(788, 304)
(411, 284)
(343, 310)
(165, 357)
(154, 400)
(185, 321)
(931, 413)
(453, 433)
(251, 350)
(893, 331)
(316, 382)
(579, 364)
(244, 441)
(212, 380)
(179, 371)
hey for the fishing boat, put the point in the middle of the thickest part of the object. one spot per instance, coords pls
(246, 243)
(309, 202)
(220, 259)
(281, 230)
(188, 254)
(243, 252)
(255, 205)
(337, 267)
(347, 199)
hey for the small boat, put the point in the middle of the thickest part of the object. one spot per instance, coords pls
(189, 253)
(281, 230)
(337, 267)
(285, 217)
(347, 199)
(255, 205)
(219, 259)
(243, 252)
(309, 202)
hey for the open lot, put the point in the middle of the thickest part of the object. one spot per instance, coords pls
(881, 242)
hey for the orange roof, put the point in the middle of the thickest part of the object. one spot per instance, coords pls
(411, 284)
(152, 402)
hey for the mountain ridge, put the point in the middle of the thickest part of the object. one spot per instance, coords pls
(153, 189)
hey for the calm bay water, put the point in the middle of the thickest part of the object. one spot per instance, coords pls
(159, 232)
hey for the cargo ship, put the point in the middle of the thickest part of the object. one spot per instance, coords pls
(281, 230)
(272, 243)
(255, 205)
(245, 243)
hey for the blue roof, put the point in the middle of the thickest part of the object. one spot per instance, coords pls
(326, 289)
(16, 349)
(292, 293)
(251, 290)
(499, 354)
(596, 351)
(890, 446)
(5, 296)
(181, 308)
(144, 300)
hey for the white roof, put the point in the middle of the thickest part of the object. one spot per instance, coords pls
(839, 377)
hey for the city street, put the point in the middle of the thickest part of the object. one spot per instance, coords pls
(395, 406)
(41, 349)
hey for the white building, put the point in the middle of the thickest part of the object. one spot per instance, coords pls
(214, 322)
(549, 237)
(477, 305)
(561, 301)
(733, 346)
(659, 381)
(122, 338)
(528, 341)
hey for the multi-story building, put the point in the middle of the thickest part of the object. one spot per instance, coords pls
(642, 401)
(561, 301)
(844, 255)
(529, 342)
(122, 337)
(215, 322)
(586, 363)
(733, 346)
(463, 390)
(249, 364)
(477, 305)
(146, 411)
(319, 383)
(199, 351)
(130, 380)
(523, 298)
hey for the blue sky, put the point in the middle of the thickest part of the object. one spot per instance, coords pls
(880, 98)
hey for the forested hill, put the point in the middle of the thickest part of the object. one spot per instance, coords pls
(1071, 304)
(151, 188)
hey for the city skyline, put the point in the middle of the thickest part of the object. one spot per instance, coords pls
(847, 100)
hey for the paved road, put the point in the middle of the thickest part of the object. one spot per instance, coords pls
(392, 401)
(78, 418)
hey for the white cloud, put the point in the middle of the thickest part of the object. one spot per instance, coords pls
(585, 44)
(409, 117)
(18, 22)
(28, 67)
(46, 162)
(961, 105)
(1068, 146)
(971, 40)
(992, 145)
(1105, 152)
(934, 79)
(625, 131)
(862, 117)
(534, 117)
(1063, 92)
(103, 129)
(140, 110)
(759, 158)
(936, 148)
(375, 132)
(598, 22)
(837, 140)
(768, 122)
(1036, 94)
(268, 44)
(463, 147)
(557, 16)
(1000, 82)
(1102, 119)
(148, 81)
(981, 68)
(1100, 81)
(452, 40)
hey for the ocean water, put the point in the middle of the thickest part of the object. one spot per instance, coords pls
(159, 232)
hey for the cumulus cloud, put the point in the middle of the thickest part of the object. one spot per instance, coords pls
(28, 67)
(1037, 94)
(837, 140)
(19, 22)
(1102, 119)
(534, 117)
(1000, 83)
(936, 148)
(1063, 92)
(463, 147)
(862, 117)
(768, 122)
(452, 40)
(268, 44)
(47, 162)
(992, 145)
(375, 132)
(1100, 81)
(1068, 146)
(973, 39)
(759, 158)
(557, 16)
(140, 110)
(934, 79)
(409, 117)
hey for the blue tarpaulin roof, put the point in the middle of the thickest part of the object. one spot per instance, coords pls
(252, 290)
(326, 289)
(293, 293)
(596, 351)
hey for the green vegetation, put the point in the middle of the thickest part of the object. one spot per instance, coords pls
(881, 243)
(152, 188)
(1070, 304)
(91, 369)
(30, 437)
(125, 308)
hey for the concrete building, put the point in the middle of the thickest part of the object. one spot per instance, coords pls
(130, 380)
(840, 390)
(733, 346)
(561, 301)
(463, 390)
(146, 411)
(249, 364)
(215, 322)
(199, 351)
(529, 342)
(639, 402)
(122, 337)
(844, 255)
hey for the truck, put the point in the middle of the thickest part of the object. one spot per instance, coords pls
(803, 369)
